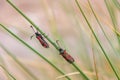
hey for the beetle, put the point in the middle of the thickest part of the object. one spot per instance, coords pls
(41, 39)
(65, 55)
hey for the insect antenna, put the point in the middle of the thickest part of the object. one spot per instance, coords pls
(33, 29)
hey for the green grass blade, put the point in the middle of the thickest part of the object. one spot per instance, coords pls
(34, 51)
(30, 21)
(13, 78)
(101, 27)
(3, 64)
(19, 63)
(113, 17)
(97, 39)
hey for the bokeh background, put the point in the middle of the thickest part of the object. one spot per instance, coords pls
(60, 20)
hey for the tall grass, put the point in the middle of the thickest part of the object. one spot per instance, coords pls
(102, 27)
(93, 59)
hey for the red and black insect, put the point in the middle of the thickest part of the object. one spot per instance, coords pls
(65, 55)
(41, 39)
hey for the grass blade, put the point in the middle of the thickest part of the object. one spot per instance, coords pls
(3, 64)
(94, 58)
(97, 40)
(34, 51)
(117, 4)
(13, 78)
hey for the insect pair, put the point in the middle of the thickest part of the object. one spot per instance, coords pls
(63, 52)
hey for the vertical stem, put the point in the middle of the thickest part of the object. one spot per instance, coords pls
(94, 60)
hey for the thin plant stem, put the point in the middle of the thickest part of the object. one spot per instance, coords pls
(30, 21)
(19, 63)
(94, 60)
(101, 27)
(106, 56)
(95, 65)
(35, 51)
(13, 78)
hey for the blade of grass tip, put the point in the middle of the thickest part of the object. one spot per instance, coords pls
(74, 73)
(35, 51)
(34, 25)
(94, 60)
(101, 27)
(7, 72)
(19, 63)
(97, 40)
(117, 4)
(113, 17)
(69, 74)
(30, 21)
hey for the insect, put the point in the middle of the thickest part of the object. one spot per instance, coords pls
(40, 38)
(65, 55)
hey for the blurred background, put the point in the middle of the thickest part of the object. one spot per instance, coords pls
(60, 20)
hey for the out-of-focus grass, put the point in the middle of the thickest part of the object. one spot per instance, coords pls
(18, 62)
(11, 76)
(117, 3)
(66, 24)
(7, 73)
(99, 43)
